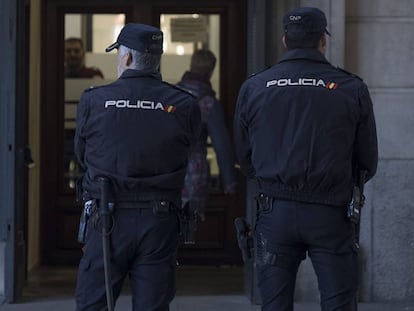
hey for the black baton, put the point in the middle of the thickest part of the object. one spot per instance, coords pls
(105, 215)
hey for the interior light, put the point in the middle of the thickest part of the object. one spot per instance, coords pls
(179, 50)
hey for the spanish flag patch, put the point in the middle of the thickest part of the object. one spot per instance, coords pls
(332, 85)
(170, 108)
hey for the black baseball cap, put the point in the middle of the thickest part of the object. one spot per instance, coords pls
(139, 37)
(305, 20)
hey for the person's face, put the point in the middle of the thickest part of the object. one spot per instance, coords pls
(74, 54)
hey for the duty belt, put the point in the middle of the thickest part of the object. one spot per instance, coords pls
(159, 207)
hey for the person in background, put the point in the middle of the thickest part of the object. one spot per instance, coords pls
(138, 132)
(197, 179)
(75, 61)
(303, 130)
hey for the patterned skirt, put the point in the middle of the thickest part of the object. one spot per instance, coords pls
(196, 183)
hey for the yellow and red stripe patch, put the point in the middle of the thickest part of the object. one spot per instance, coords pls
(170, 108)
(332, 85)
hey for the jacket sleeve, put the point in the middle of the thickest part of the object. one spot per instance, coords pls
(241, 134)
(222, 144)
(366, 147)
(80, 139)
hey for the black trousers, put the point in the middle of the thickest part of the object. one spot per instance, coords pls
(143, 246)
(285, 232)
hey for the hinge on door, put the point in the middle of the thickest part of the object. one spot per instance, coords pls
(5, 228)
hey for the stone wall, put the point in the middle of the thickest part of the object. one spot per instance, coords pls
(380, 48)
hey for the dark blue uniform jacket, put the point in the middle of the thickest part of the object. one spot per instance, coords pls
(302, 126)
(138, 131)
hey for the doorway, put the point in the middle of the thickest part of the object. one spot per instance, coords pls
(212, 24)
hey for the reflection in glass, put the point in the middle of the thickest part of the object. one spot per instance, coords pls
(183, 34)
(96, 31)
(182, 37)
(86, 64)
(75, 66)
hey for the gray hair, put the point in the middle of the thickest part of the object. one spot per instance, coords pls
(141, 61)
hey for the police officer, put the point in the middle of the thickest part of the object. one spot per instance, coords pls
(301, 127)
(137, 131)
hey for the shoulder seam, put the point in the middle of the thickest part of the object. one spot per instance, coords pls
(260, 71)
(349, 73)
(179, 88)
(93, 88)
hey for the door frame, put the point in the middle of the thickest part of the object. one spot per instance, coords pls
(52, 91)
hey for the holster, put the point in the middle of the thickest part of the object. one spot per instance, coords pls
(355, 205)
(188, 224)
(244, 238)
(89, 209)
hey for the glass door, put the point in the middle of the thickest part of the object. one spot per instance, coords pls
(86, 64)
(183, 35)
(74, 48)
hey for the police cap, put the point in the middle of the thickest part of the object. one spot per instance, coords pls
(305, 20)
(139, 37)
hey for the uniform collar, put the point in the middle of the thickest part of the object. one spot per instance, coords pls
(133, 73)
(305, 54)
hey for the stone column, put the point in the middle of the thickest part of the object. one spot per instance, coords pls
(379, 48)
